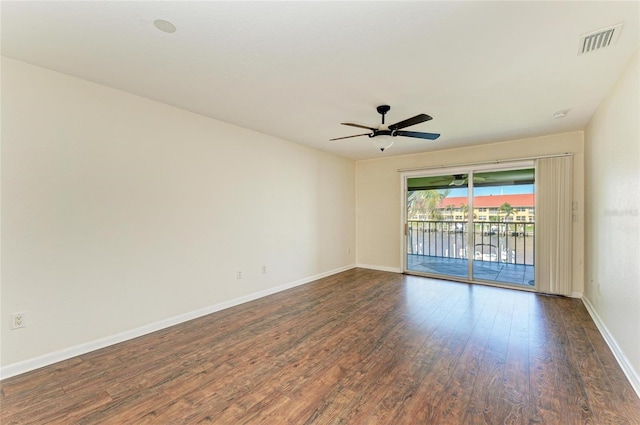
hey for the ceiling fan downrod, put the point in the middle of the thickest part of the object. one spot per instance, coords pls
(382, 110)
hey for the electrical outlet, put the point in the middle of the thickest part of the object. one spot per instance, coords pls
(18, 320)
(264, 269)
(239, 275)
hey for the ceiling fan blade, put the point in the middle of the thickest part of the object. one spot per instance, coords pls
(418, 135)
(348, 137)
(352, 124)
(410, 121)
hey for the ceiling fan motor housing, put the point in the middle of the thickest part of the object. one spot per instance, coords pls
(382, 133)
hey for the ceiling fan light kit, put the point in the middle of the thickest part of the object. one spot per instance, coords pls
(384, 135)
(382, 142)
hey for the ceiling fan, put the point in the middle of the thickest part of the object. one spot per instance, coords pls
(383, 135)
(460, 179)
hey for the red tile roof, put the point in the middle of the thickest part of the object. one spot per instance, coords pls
(491, 201)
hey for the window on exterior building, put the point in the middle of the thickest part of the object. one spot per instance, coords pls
(521, 218)
(482, 209)
(483, 218)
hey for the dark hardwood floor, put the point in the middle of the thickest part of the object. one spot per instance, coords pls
(360, 347)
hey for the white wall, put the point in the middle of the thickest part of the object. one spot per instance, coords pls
(612, 161)
(119, 212)
(379, 197)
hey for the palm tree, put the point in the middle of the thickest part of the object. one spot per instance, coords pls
(465, 212)
(421, 205)
(464, 208)
(449, 209)
(425, 203)
(506, 210)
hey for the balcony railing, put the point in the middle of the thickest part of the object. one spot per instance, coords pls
(504, 242)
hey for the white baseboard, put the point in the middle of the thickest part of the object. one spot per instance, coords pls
(380, 268)
(77, 350)
(631, 374)
(576, 295)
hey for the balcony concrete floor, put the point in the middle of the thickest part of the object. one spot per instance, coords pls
(518, 274)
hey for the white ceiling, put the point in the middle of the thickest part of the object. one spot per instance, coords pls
(485, 71)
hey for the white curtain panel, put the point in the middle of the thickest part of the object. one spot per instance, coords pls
(553, 225)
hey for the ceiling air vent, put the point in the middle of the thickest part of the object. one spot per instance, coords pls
(600, 39)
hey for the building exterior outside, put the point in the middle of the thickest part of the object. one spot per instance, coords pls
(488, 208)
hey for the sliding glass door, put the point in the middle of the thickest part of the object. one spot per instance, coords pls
(436, 227)
(472, 224)
(504, 223)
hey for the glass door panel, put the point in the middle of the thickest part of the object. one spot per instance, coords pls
(504, 226)
(437, 230)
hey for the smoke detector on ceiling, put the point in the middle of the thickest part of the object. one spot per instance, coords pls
(599, 39)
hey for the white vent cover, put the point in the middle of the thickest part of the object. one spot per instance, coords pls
(600, 39)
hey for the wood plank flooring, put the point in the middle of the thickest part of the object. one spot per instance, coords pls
(360, 347)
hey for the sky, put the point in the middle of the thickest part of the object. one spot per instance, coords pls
(494, 190)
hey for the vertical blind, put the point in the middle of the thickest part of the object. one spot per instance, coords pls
(553, 225)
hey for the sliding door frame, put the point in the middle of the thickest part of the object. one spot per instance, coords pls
(469, 169)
